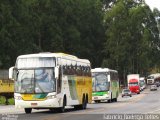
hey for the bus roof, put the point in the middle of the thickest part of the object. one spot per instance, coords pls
(142, 78)
(103, 70)
(156, 75)
(48, 54)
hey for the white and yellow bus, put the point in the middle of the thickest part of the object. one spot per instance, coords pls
(105, 85)
(51, 81)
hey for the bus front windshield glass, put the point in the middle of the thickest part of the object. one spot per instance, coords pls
(141, 83)
(150, 77)
(100, 82)
(35, 81)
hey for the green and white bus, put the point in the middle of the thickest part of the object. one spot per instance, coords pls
(51, 81)
(105, 85)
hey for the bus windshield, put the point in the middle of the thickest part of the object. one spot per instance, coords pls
(35, 80)
(150, 77)
(141, 82)
(133, 84)
(100, 82)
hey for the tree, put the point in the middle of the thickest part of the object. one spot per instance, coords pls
(70, 26)
(131, 37)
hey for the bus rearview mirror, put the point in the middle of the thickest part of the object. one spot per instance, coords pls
(11, 69)
(56, 72)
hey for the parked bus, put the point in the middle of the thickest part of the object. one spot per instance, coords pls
(105, 85)
(51, 81)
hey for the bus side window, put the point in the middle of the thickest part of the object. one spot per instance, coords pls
(69, 70)
(83, 71)
(78, 71)
(72, 70)
(65, 69)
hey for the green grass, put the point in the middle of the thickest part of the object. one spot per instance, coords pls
(3, 100)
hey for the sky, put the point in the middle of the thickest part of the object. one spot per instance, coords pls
(153, 3)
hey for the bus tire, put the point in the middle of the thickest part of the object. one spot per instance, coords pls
(110, 100)
(86, 100)
(80, 107)
(84, 103)
(97, 101)
(115, 99)
(28, 110)
(62, 109)
(52, 110)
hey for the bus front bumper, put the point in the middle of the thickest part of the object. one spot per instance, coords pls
(104, 97)
(48, 103)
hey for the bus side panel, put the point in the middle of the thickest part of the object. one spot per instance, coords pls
(69, 89)
(84, 86)
(75, 86)
(115, 88)
(88, 87)
(72, 87)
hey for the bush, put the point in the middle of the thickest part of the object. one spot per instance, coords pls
(3, 101)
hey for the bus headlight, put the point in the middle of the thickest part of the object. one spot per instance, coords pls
(18, 97)
(51, 96)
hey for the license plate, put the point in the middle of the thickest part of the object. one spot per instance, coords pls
(33, 104)
(95, 98)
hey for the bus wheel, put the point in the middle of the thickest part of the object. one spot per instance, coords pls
(97, 101)
(115, 99)
(28, 110)
(52, 110)
(110, 100)
(84, 104)
(62, 109)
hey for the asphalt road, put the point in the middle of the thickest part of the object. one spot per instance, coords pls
(148, 102)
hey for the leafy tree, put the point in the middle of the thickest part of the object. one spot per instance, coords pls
(70, 26)
(131, 37)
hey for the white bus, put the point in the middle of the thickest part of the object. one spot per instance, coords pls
(142, 83)
(51, 81)
(105, 85)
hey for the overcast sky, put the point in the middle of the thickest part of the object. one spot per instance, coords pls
(153, 4)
